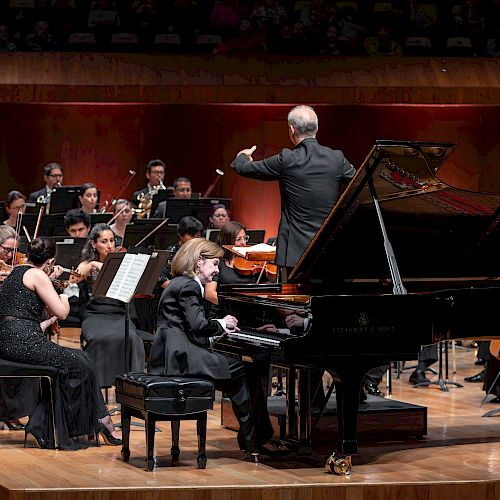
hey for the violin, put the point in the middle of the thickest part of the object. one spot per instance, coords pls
(252, 267)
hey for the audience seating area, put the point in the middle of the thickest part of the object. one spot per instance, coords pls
(253, 27)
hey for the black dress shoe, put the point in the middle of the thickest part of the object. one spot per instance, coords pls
(480, 362)
(418, 377)
(479, 377)
(373, 390)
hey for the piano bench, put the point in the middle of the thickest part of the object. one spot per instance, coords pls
(155, 398)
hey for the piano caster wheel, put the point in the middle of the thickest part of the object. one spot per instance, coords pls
(339, 465)
(250, 457)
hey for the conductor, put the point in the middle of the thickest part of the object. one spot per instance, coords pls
(309, 176)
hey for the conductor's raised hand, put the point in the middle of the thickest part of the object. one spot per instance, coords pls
(248, 152)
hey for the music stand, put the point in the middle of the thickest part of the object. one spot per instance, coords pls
(201, 208)
(64, 198)
(100, 218)
(51, 224)
(212, 235)
(165, 237)
(256, 236)
(161, 195)
(69, 251)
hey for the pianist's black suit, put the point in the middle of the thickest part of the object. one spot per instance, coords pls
(181, 347)
(309, 178)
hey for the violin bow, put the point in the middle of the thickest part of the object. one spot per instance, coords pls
(162, 223)
(264, 266)
(116, 215)
(19, 219)
(37, 227)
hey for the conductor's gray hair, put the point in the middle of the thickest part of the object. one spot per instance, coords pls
(304, 120)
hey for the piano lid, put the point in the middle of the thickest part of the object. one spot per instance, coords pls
(435, 230)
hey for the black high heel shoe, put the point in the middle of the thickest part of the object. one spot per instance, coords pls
(39, 441)
(107, 437)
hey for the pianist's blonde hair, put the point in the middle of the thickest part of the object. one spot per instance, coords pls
(186, 259)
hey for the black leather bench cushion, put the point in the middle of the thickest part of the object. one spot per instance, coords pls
(165, 395)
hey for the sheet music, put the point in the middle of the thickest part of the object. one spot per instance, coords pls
(259, 248)
(127, 277)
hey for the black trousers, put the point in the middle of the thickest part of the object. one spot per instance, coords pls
(375, 375)
(245, 390)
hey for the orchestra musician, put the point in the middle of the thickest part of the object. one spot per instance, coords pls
(88, 198)
(103, 319)
(184, 334)
(77, 223)
(79, 408)
(219, 216)
(53, 176)
(155, 174)
(188, 228)
(182, 187)
(309, 176)
(121, 221)
(15, 203)
(232, 233)
(8, 245)
(18, 397)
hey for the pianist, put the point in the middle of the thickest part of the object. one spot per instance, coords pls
(182, 341)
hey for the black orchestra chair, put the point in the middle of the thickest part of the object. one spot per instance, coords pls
(154, 398)
(47, 374)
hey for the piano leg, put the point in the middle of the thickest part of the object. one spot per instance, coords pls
(347, 387)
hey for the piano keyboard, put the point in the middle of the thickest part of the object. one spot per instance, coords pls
(257, 337)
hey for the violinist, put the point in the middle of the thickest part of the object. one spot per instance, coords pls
(25, 296)
(121, 221)
(53, 176)
(17, 396)
(8, 245)
(232, 233)
(15, 203)
(88, 198)
(103, 319)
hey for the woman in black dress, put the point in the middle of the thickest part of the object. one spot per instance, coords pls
(25, 297)
(103, 319)
(182, 341)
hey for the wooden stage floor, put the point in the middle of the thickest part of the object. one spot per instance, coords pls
(458, 459)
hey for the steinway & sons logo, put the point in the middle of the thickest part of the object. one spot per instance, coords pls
(363, 326)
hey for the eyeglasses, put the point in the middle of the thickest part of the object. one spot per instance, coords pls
(242, 239)
(8, 249)
(55, 176)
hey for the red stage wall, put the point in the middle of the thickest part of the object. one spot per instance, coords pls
(101, 142)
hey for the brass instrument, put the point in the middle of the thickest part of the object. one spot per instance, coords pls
(146, 200)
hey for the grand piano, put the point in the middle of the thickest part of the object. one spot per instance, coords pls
(402, 260)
